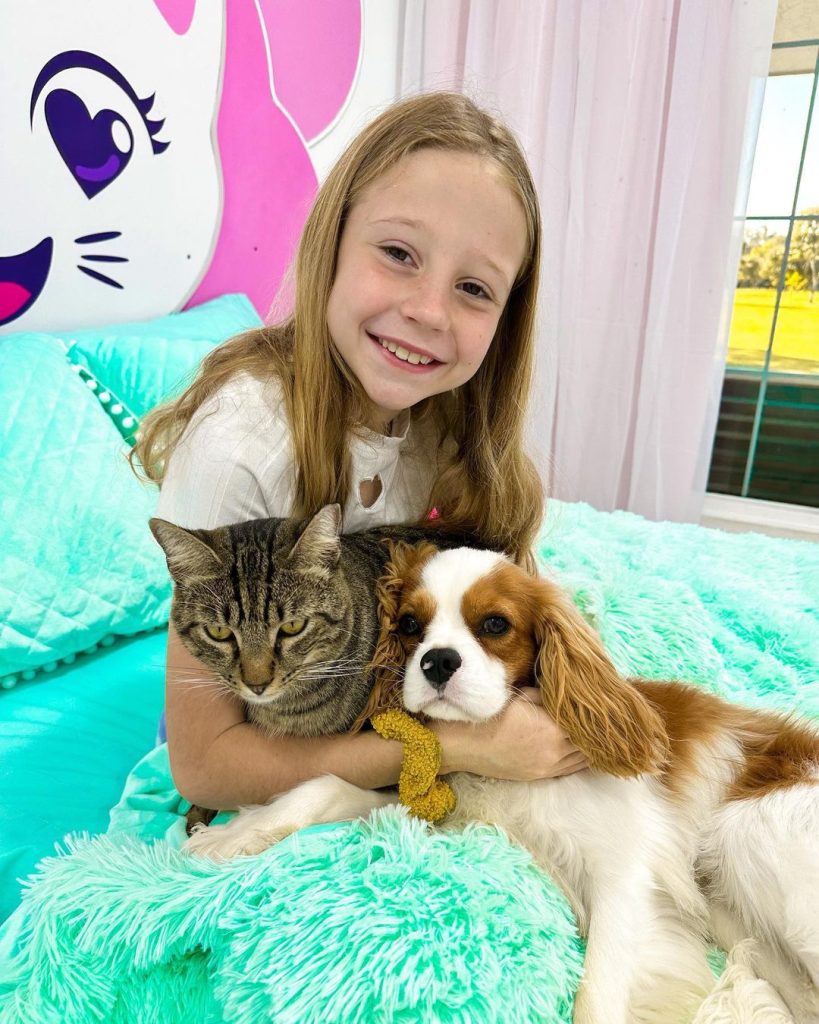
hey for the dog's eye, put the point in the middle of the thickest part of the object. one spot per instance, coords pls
(495, 625)
(293, 627)
(409, 625)
(219, 632)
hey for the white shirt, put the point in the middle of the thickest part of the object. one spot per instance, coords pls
(235, 462)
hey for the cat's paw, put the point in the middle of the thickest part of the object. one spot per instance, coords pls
(246, 835)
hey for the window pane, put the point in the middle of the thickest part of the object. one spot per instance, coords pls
(786, 466)
(760, 268)
(809, 186)
(779, 145)
(740, 391)
(796, 336)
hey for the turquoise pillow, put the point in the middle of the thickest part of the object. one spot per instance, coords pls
(78, 565)
(142, 364)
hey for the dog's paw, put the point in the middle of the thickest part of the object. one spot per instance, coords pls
(236, 838)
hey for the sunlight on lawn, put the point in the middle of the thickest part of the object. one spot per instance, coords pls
(796, 344)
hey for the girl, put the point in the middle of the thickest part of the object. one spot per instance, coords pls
(397, 386)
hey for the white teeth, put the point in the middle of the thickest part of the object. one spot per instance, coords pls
(402, 353)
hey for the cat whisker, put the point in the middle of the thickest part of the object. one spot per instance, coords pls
(97, 276)
(321, 666)
(330, 662)
(331, 671)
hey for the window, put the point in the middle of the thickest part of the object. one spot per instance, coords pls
(767, 440)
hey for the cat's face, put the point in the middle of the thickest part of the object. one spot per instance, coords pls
(266, 612)
(104, 111)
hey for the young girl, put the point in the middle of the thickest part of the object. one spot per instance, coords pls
(397, 386)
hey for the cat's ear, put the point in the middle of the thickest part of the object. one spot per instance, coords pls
(318, 548)
(189, 556)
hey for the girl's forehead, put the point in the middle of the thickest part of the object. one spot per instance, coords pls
(449, 195)
(415, 175)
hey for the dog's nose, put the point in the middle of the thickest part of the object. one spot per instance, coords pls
(439, 664)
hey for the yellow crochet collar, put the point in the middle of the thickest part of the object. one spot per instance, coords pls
(419, 787)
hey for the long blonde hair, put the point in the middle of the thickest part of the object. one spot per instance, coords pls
(491, 486)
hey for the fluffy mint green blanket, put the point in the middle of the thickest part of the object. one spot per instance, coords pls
(389, 920)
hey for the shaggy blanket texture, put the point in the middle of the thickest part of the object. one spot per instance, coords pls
(391, 920)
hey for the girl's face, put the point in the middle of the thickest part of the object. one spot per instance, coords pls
(426, 262)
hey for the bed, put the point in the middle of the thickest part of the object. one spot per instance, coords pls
(384, 920)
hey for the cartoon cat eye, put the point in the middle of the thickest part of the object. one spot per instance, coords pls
(219, 632)
(293, 627)
(96, 150)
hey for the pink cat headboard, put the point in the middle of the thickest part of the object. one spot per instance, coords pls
(269, 181)
(156, 151)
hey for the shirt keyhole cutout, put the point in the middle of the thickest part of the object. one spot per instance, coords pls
(369, 490)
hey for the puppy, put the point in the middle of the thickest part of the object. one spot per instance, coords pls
(697, 817)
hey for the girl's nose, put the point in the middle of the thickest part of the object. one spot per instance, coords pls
(427, 303)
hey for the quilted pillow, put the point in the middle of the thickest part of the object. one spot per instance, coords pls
(144, 363)
(78, 564)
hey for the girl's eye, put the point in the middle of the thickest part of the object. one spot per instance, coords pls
(479, 291)
(496, 625)
(409, 625)
(219, 632)
(395, 252)
(293, 627)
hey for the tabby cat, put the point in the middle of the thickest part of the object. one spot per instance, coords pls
(284, 612)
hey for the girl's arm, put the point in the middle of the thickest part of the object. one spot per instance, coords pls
(219, 760)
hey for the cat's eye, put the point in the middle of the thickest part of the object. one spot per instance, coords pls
(408, 625)
(496, 625)
(293, 627)
(219, 632)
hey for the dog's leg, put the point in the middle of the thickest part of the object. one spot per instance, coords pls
(645, 957)
(795, 988)
(316, 802)
(762, 862)
(617, 917)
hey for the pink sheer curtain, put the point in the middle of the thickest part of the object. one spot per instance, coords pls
(635, 117)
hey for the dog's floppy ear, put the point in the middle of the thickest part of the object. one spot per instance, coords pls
(388, 661)
(604, 715)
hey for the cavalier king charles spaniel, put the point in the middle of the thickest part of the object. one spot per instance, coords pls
(698, 820)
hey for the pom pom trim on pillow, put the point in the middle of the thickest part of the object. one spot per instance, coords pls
(127, 424)
(118, 412)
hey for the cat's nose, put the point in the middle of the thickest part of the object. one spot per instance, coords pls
(439, 664)
(258, 689)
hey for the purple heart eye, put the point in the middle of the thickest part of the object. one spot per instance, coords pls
(95, 150)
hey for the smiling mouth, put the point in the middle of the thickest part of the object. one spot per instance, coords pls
(400, 356)
(22, 278)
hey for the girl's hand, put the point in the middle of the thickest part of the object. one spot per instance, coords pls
(522, 744)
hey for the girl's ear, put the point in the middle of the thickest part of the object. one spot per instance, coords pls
(617, 729)
(388, 661)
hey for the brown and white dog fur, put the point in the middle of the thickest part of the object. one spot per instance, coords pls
(697, 818)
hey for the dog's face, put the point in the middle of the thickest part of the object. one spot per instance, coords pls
(468, 626)
(467, 632)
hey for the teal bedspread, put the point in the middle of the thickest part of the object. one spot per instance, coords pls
(67, 742)
(737, 613)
